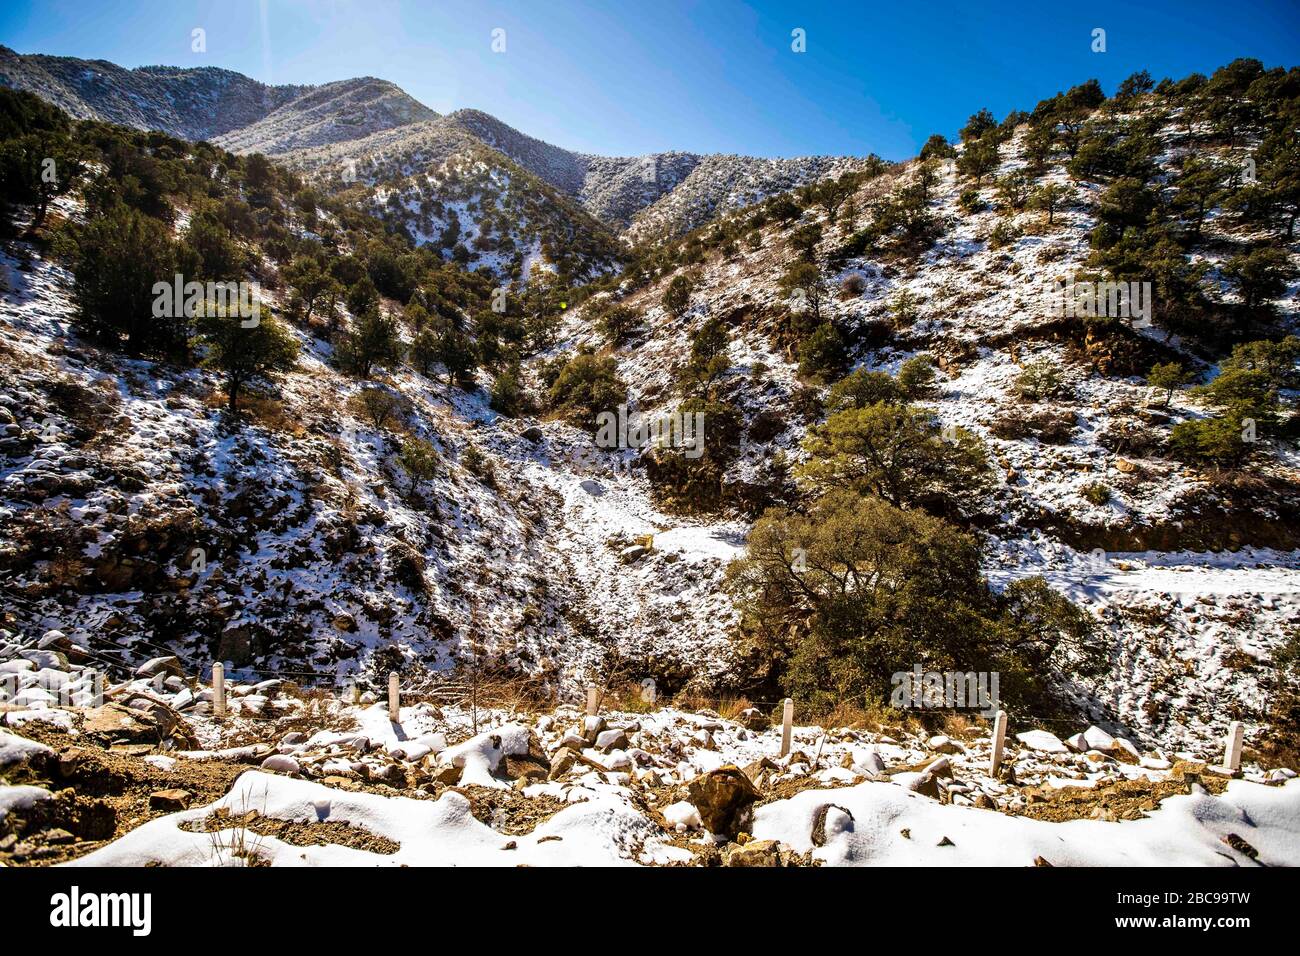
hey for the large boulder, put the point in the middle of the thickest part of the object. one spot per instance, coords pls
(1042, 741)
(119, 723)
(723, 798)
(1094, 738)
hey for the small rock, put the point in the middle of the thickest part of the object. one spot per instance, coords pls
(926, 782)
(943, 745)
(446, 775)
(1241, 846)
(391, 774)
(280, 763)
(608, 740)
(633, 554)
(618, 760)
(753, 853)
(159, 665)
(591, 728)
(562, 762)
(574, 741)
(169, 801)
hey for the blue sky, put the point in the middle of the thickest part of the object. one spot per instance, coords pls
(633, 76)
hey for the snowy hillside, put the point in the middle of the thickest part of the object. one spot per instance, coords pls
(188, 103)
(343, 111)
(352, 126)
(911, 456)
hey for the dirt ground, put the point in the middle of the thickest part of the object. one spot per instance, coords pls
(100, 794)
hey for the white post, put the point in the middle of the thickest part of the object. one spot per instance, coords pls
(356, 693)
(218, 689)
(394, 698)
(787, 725)
(593, 701)
(1232, 754)
(999, 739)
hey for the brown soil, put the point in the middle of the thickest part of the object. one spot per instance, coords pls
(509, 811)
(101, 795)
(299, 834)
(1123, 800)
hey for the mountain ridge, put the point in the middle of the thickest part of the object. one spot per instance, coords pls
(312, 127)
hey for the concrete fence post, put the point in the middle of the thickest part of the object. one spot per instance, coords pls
(593, 701)
(394, 697)
(218, 689)
(787, 725)
(1232, 748)
(999, 741)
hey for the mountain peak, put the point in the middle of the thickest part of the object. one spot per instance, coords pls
(332, 113)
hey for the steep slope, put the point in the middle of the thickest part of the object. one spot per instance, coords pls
(372, 123)
(561, 168)
(333, 113)
(525, 542)
(720, 184)
(439, 184)
(1193, 573)
(196, 104)
(660, 195)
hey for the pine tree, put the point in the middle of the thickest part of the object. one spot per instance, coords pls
(1168, 376)
(677, 297)
(244, 353)
(372, 340)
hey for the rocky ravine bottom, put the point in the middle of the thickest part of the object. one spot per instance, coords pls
(297, 778)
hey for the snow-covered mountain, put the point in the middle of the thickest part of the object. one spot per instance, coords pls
(333, 113)
(198, 103)
(330, 129)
